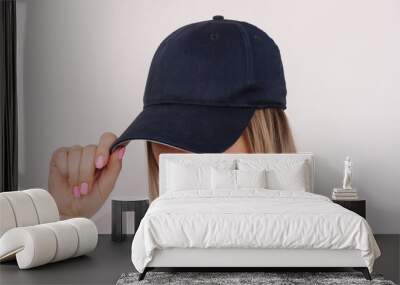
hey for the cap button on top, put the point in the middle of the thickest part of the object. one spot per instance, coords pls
(218, 17)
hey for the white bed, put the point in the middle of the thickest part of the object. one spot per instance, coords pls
(208, 226)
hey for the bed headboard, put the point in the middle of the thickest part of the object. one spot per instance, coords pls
(210, 157)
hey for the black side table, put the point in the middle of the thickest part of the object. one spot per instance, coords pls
(357, 206)
(119, 206)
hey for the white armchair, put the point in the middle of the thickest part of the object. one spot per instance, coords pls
(31, 232)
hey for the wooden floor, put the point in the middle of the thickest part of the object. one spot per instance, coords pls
(111, 259)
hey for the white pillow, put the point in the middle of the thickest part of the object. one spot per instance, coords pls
(186, 174)
(251, 178)
(226, 179)
(223, 179)
(293, 178)
(287, 174)
(181, 177)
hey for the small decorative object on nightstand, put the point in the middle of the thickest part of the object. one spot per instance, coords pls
(347, 192)
(357, 206)
(126, 204)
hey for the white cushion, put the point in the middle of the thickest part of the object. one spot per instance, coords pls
(223, 179)
(226, 179)
(46, 207)
(87, 233)
(292, 178)
(40, 244)
(7, 218)
(23, 208)
(189, 175)
(258, 161)
(26, 208)
(32, 246)
(251, 178)
(181, 178)
(282, 174)
(67, 237)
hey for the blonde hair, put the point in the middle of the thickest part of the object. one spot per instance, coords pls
(268, 132)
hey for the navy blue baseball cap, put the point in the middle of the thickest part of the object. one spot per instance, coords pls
(205, 81)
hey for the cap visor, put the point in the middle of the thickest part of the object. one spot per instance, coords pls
(194, 128)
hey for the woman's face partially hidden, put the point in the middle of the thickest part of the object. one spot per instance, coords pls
(240, 146)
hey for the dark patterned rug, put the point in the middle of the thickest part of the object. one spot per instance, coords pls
(269, 278)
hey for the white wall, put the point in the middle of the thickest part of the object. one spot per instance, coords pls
(84, 64)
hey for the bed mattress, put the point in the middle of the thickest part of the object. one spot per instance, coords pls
(250, 219)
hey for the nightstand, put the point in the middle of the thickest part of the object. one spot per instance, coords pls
(126, 204)
(357, 206)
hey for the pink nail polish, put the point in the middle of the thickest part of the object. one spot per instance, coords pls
(121, 153)
(76, 192)
(100, 162)
(84, 188)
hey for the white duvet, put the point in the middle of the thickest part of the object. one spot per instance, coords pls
(250, 219)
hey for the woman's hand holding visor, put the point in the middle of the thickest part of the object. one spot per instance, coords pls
(82, 177)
